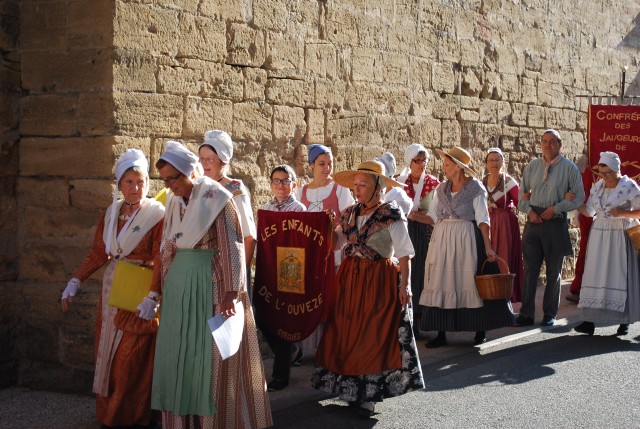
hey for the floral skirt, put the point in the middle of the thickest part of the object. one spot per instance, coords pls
(376, 387)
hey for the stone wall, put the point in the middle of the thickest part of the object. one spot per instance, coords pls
(361, 76)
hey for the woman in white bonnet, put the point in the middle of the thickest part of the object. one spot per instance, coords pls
(420, 188)
(610, 292)
(131, 230)
(215, 154)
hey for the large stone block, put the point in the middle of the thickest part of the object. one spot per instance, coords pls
(315, 126)
(180, 80)
(395, 68)
(470, 83)
(202, 38)
(270, 15)
(67, 157)
(321, 59)
(446, 107)
(341, 26)
(44, 193)
(348, 131)
(284, 52)
(88, 194)
(230, 87)
(252, 121)
(519, 114)
(95, 114)
(48, 114)
(145, 27)
(245, 46)
(70, 71)
(144, 115)
(550, 94)
(223, 10)
(366, 65)
(451, 133)
(204, 114)
(288, 124)
(59, 224)
(90, 24)
(443, 78)
(292, 92)
(255, 82)
(535, 117)
(43, 26)
(329, 93)
(134, 71)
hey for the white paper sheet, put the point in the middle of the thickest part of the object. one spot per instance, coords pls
(227, 331)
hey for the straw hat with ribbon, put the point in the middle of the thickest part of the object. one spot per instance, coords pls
(375, 168)
(459, 156)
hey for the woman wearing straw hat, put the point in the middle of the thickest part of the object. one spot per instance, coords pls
(502, 199)
(130, 231)
(368, 351)
(610, 292)
(459, 246)
(421, 188)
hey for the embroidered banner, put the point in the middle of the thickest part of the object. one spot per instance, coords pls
(294, 271)
(616, 129)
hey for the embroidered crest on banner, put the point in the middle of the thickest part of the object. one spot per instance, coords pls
(291, 262)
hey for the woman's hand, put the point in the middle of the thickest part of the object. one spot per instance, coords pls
(491, 255)
(569, 196)
(69, 292)
(405, 296)
(228, 305)
(526, 196)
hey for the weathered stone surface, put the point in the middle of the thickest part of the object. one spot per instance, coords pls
(252, 121)
(288, 124)
(204, 114)
(255, 81)
(442, 78)
(48, 114)
(91, 194)
(315, 119)
(49, 193)
(270, 15)
(43, 26)
(202, 38)
(284, 52)
(54, 157)
(320, 58)
(87, 26)
(144, 27)
(292, 92)
(246, 46)
(232, 10)
(134, 70)
(143, 115)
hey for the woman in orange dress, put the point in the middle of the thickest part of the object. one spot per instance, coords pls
(130, 230)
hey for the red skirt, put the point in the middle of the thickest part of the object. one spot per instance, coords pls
(361, 333)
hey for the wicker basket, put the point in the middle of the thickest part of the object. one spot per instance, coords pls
(495, 286)
(634, 235)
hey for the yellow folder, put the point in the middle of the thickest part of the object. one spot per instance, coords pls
(131, 283)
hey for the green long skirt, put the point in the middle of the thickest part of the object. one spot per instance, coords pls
(182, 366)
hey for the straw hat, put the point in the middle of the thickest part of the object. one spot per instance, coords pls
(459, 156)
(375, 168)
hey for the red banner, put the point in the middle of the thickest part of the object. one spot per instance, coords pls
(294, 270)
(615, 129)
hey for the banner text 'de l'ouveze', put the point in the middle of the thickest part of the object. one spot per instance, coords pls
(294, 268)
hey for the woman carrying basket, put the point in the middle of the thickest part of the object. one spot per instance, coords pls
(502, 199)
(460, 243)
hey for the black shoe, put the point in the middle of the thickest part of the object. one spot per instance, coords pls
(480, 338)
(548, 321)
(586, 328)
(439, 341)
(296, 360)
(524, 321)
(275, 385)
(623, 329)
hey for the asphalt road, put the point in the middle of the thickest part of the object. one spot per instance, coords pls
(556, 378)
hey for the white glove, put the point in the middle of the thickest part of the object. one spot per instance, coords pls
(72, 288)
(148, 308)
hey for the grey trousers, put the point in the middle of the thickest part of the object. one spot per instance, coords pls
(548, 241)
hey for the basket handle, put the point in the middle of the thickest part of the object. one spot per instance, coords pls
(499, 259)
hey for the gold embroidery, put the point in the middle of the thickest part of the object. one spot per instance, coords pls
(291, 261)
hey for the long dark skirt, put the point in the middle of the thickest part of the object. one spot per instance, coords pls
(420, 234)
(493, 315)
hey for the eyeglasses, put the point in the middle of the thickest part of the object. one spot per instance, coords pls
(419, 160)
(206, 160)
(285, 182)
(609, 173)
(171, 180)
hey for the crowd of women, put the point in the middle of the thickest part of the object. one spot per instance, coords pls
(408, 250)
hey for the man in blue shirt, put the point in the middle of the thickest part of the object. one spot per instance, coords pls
(545, 182)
